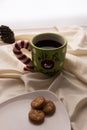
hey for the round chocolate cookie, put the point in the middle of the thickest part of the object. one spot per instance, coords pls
(38, 102)
(49, 107)
(36, 116)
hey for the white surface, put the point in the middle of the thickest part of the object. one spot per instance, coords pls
(31, 13)
(14, 114)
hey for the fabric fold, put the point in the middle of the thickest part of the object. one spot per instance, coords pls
(70, 86)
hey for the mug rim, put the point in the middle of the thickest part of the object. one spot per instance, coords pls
(48, 33)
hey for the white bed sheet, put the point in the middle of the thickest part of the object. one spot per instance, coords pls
(70, 86)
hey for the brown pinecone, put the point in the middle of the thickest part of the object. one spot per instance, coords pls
(7, 34)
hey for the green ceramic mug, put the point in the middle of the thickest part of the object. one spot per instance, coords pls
(48, 52)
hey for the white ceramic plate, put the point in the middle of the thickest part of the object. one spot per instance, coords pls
(14, 113)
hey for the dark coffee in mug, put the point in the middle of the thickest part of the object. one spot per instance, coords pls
(48, 44)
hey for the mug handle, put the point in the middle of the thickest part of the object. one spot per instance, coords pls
(22, 57)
